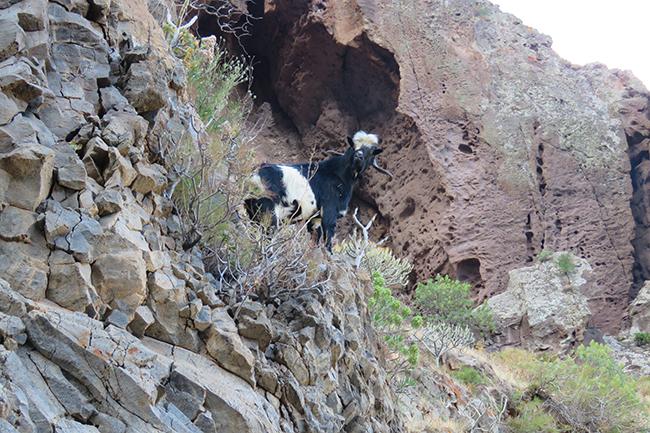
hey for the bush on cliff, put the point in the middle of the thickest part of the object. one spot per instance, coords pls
(447, 300)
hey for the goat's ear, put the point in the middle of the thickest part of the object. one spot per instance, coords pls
(377, 150)
(350, 141)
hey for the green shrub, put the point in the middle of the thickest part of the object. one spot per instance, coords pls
(395, 322)
(211, 174)
(447, 300)
(469, 376)
(565, 263)
(544, 255)
(642, 338)
(532, 418)
(591, 392)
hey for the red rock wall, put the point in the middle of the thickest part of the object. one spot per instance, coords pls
(500, 148)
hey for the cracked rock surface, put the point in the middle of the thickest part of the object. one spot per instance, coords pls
(106, 324)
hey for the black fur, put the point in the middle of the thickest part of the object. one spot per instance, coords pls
(331, 180)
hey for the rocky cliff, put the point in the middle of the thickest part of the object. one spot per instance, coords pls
(106, 324)
(500, 148)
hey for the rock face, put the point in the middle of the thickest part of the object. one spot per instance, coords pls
(543, 307)
(106, 324)
(500, 148)
(640, 311)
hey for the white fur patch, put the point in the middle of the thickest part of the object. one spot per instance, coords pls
(297, 188)
(343, 213)
(362, 138)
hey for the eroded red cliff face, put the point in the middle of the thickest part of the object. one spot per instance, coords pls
(499, 147)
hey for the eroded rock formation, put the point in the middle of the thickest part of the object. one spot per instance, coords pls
(500, 148)
(106, 324)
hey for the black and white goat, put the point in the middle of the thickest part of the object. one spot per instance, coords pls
(317, 192)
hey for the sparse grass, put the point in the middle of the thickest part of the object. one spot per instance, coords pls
(532, 418)
(469, 376)
(544, 255)
(642, 338)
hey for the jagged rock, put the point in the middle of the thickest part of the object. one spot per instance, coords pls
(109, 201)
(12, 38)
(87, 203)
(69, 283)
(82, 242)
(144, 88)
(26, 176)
(228, 398)
(75, 403)
(120, 172)
(167, 297)
(123, 130)
(151, 178)
(142, 319)
(12, 327)
(156, 260)
(226, 347)
(59, 221)
(112, 99)
(640, 310)
(119, 319)
(121, 280)
(15, 224)
(203, 318)
(543, 307)
(23, 264)
(11, 302)
(634, 359)
(70, 171)
(254, 324)
(96, 158)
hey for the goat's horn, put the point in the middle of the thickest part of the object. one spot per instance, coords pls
(334, 152)
(381, 169)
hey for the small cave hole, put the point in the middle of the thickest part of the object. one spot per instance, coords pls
(465, 149)
(469, 270)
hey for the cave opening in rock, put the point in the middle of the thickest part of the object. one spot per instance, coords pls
(469, 271)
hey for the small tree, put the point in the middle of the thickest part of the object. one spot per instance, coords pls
(395, 322)
(444, 299)
(441, 337)
(565, 264)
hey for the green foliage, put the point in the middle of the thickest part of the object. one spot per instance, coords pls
(395, 322)
(544, 255)
(447, 300)
(642, 338)
(592, 392)
(469, 376)
(565, 263)
(212, 172)
(394, 270)
(532, 418)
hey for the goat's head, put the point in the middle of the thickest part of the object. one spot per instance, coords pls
(364, 149)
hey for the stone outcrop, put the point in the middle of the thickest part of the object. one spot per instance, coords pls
(499, 147)
(106, 324)
(543, 307)
(640, 311)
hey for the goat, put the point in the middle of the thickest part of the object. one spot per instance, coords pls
(317, 193)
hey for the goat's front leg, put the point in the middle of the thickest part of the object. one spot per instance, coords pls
(328, 227)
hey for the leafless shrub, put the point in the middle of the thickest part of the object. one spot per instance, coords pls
(266, 262)
(441, 337)
(485, 414)
(373, 256)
